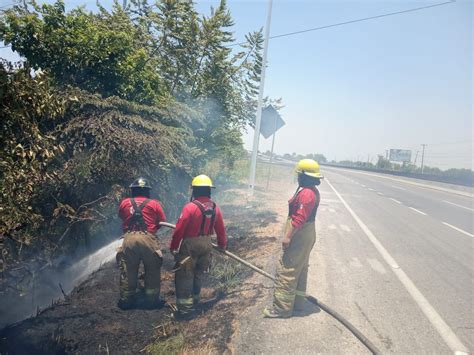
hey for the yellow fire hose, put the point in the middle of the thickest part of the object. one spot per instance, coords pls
(362, 338)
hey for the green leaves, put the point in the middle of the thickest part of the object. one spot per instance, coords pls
(101, 52)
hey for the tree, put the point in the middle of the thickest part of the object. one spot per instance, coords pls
(101, 52)
(148, 54)
(29, 109)
(383, 163)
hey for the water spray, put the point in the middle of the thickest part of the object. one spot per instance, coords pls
(361, 337)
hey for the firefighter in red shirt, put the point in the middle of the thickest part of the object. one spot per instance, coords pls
(191, 244)
(141, 216)
(299, 238)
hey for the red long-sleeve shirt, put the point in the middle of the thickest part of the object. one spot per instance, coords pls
(302, 206)
(189, 224)
(152, 213)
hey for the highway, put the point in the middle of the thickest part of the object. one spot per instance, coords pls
(396, 259)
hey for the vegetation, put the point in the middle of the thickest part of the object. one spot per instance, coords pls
(226, 274)
(101, 97)
(457, 176)
(320, 158)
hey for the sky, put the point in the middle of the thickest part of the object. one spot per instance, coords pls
(354, 91)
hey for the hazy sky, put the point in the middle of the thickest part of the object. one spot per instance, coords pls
(356, 90)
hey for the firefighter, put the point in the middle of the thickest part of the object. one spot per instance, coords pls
(299, 238)
(191, 244)
(141, 216)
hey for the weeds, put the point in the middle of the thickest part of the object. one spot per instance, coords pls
(172, 345)
(169, 339)
(226, 274)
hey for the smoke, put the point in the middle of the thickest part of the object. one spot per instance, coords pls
(43, 286)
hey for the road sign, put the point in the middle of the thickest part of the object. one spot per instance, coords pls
(400, 155)
(271, 121)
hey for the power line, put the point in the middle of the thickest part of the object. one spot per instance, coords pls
(353, 21)
(413, 147)
(451, 143)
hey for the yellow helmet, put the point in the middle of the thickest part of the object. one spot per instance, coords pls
(309, 167)
(202, 180)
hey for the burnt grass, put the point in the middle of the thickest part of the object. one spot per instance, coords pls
(87, 321)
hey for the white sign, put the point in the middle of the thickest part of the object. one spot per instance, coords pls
(400, 155)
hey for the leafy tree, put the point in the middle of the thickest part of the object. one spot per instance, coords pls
(29, 107)
(100, 52)
(148, 53)
(383, 163)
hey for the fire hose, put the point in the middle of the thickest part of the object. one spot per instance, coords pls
(362, 338)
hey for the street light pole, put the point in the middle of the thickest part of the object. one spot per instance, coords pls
(423, 158)
(256, 137)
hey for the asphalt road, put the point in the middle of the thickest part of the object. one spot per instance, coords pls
(395, 258)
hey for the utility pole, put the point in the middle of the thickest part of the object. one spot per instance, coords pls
(416, 156)
(256, 136)
(124, 4)
(271, 153)
(423, 158)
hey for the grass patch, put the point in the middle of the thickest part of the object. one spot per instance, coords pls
(172, 345)
(226, 274)
(169, 339)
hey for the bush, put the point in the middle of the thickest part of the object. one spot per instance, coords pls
(68, 155)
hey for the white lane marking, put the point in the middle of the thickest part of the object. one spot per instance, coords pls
(332, 210)
(376, 265)
(379, 193)
(398, 187)
(363, 185)
(414, 209)
(371, 189)
(456, 192)
(459, 229)
(435, 319)
(332, 226)
(395, 200)
(345, 228)
(455, 204)
(355, 263)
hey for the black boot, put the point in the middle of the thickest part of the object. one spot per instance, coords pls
(125, 304)
(153, 304)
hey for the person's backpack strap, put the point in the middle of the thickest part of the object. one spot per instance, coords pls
(137, 217)
(213, 218)
(134, 204)
(291, 205)
(206, 213)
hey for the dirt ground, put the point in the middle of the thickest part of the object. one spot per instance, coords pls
(88, 321)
